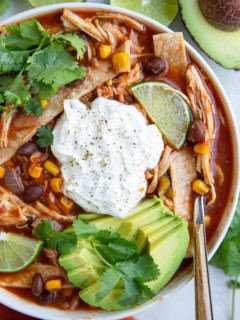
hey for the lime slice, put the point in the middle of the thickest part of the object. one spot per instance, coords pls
(17, 252)
(163, 11)
(39, 3)
(167, 109)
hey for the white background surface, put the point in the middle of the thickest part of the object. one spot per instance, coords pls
(180, 306)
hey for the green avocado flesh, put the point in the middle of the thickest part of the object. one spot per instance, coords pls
(152, 227)
(221, 46)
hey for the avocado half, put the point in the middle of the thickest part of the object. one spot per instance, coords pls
(221, 46)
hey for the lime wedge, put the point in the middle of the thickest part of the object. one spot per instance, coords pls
(167, 109)
(17, 252)
(40, 3)
(163, 11)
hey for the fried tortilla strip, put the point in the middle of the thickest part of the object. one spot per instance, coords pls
(5, 127)
(23, 278)
(96, 76)
(171, 46)
(169, 155)
(203, 108)
(183, 173)
(122, 19)
(14, 211)
(85, 25)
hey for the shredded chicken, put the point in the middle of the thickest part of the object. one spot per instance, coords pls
(51, 255)
(13, 211)
(5, 127)
(220, 174)
(153, 184)
(121, 19)
(117, 31)
(202, 107)
(168, 156)
(52, 213)
(119, 87)
(80, 24)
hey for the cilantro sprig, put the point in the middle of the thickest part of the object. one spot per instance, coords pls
(34, 62)
(227, 256)
(44, 136)
(119, 256)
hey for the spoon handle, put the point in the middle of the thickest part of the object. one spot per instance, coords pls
(203, 301)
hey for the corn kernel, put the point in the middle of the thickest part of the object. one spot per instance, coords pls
(200, 187)
(56, 185)
(104, 51)
(164, 184)
(44, 103)
(121, 62)
(207, 220)
(51, 167)
(2, 172)
(201, 148)
(68, 204)
(35, 171)
(53, 285)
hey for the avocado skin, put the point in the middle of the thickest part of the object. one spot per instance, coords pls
(221, 46)
(163, 234)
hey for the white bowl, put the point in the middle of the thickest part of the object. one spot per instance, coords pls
(185, 274)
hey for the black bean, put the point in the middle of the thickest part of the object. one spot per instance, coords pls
(47, 297)
(155, 66)
(37, 284)
(30, 220)
(196, 132)
(32, 193)
(27, 149)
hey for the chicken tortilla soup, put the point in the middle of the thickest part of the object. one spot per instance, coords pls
(108, 132)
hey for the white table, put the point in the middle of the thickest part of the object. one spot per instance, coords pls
(181, 303)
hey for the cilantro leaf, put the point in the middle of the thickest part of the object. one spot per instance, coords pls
(33, 107)
(106, 236)
(83, 229)
(61, 69)
(12, 60)
(32, 31)
(132, 293)
(63, 242)
(3, 6)
(14, 90)
(45, 136)
(108, 280)
(77, 43)
(143, 268)
(44, 91)
(232, 284)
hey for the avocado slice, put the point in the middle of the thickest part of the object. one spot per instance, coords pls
(221, 46)
(168, 253)
(110, 302)
(131, 224)
(143, 232)
(79, 257)
(84, 276)
(89, 216)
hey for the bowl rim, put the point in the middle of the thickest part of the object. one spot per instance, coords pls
(19, 304)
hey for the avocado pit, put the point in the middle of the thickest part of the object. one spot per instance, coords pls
(222, 14)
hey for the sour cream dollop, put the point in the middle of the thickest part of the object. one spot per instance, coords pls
(105, 152)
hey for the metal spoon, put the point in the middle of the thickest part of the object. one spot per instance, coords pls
(203, 301)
